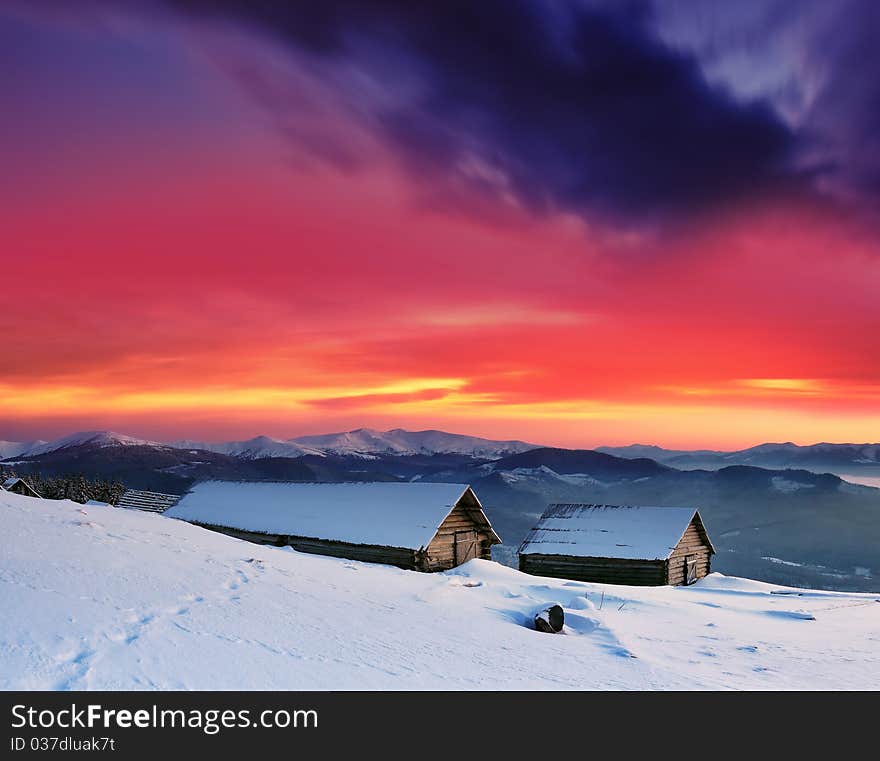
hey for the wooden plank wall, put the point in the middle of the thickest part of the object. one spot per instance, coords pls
(440, 553)
(396, 556)
(692, 543)
(151, 501)
(603, 570)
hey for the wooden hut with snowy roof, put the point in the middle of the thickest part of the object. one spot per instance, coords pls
(645, 546)
(419, 526)
(17, 485)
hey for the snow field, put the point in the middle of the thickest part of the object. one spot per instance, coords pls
(104, 598)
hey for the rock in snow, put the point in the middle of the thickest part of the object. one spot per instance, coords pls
(550, 620)
(96, 597)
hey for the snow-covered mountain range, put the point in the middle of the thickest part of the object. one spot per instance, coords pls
(363, 442)
(251, 449)
(368, 443)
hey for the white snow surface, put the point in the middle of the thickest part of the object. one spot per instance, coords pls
(608, 531)
(385, 514)
(106, 599)
(15, 448)
(787, 486)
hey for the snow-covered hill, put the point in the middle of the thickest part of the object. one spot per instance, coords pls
(653, 452)
(87, 438)
(105, 598)
(366, 443)
(15, 448)
(252, 449)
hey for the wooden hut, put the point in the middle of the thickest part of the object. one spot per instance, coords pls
(646, 546)
(419, 526)
(149, 501)
(17, 485)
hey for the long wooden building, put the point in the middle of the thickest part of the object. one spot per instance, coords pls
(645, 546)
(418, 526)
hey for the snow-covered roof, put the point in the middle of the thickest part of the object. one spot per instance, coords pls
(609, 531)
(10, 483)
(151, 501)
(405, 515)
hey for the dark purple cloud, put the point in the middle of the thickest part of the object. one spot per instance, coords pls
(562, 107)
(638, 110)
(816, 62)
(845, 114)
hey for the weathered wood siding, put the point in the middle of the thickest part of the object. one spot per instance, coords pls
(603, 570)
(694, 543)
(440, 553)
(396, 556)
(150, 501)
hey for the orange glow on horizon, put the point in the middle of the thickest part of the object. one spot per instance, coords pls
(421, 403)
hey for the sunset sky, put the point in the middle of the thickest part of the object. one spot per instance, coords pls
(573, 223)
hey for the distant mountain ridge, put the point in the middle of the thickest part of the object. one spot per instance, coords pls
(363, 442)
(822, 456)
(653, 451)
(397, 441)
(369, 443)
(577, 461)
(251, 449)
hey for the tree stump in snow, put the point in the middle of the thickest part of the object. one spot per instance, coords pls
(550, 620)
